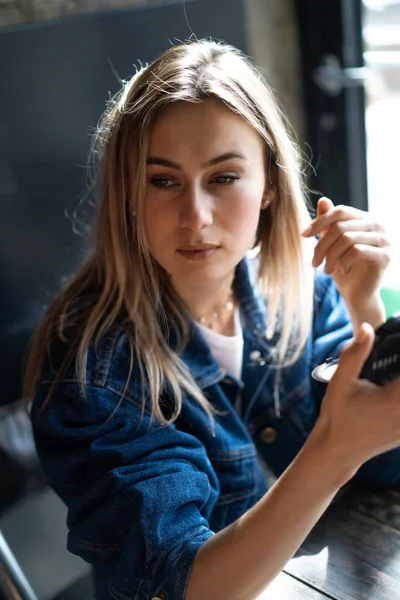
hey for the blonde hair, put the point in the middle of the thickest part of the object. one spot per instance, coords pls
(120, 279)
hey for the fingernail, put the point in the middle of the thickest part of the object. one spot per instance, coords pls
(307, 231)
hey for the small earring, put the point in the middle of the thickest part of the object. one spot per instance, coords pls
(265, 203)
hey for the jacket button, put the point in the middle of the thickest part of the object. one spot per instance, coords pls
(255, 355)
(268, 435)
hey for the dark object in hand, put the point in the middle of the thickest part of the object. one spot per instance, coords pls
(383, 363)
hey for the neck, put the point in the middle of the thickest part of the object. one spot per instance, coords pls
(202, 300)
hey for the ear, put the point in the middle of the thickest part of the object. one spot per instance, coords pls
(269, 196)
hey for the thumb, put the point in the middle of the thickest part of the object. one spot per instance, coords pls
(354, 355)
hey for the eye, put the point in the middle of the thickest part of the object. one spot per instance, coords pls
(225, 179)
(161, 182)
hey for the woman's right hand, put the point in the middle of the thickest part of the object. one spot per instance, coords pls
(358, 419)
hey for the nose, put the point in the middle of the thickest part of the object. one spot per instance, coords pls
(196, 210)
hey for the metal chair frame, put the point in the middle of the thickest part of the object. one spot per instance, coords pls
(13, 582)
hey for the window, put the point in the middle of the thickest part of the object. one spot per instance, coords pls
(350, 54)
(381, 34)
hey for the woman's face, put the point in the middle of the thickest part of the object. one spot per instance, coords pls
(205, 184)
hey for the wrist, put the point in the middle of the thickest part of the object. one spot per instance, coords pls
(370, 310)
(336, 463)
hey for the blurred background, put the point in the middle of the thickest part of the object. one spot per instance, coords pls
(335, 68)
(381, 35)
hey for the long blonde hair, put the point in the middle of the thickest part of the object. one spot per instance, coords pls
(121, 279)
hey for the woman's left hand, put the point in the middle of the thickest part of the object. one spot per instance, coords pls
(356, 250)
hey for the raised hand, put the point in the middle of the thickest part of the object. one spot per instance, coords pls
(359, 419)
(356, 251)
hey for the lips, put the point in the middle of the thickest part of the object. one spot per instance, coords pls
(198, 252)
(198, 247)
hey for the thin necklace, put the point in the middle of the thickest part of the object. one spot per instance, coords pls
(215, 315)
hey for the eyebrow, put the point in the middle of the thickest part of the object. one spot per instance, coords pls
(155, 160)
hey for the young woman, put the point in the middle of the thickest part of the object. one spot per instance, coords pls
(180, 355)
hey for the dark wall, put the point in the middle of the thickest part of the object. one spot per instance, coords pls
(55, 79)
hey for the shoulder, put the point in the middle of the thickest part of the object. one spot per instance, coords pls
(332, 326)
(110, 364)
(325, 290)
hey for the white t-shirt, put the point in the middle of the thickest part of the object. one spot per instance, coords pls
(227, 349)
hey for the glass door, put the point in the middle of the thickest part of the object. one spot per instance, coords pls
(333, 74)
(350, 57)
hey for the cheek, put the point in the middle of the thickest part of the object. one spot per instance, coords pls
(157, 225)
(150, 224)
(244, 210)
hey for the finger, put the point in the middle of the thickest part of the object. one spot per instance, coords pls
(336, 243)
(353, 356)
(379, 258)
(331, 216)
(324, 206)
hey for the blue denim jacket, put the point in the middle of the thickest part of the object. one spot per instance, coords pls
(143, 499)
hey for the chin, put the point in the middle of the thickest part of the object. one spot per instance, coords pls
(196, 274)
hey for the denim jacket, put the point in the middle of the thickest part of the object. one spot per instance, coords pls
(143, 498)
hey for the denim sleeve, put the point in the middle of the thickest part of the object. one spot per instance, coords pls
(332, 326)
(139, 497)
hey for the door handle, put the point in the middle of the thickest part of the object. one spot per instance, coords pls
(331, 78)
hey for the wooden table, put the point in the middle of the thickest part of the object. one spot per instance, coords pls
(353, 553)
